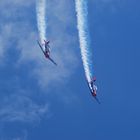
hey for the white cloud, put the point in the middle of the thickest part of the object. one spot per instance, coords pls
(18, 31)
(60, 19)
(12, 9)
(21, 108)
(4, 36)
(62, 45)
(21, 34)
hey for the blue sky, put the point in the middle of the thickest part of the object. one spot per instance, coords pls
(40, 101)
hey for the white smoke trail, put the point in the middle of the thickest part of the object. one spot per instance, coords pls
(40, 10)
(81, 10)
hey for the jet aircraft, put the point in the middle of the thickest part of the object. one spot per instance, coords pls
(46, 52)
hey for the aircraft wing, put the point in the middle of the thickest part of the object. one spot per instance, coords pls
(52, 60)
(97, 100)
(40, 47)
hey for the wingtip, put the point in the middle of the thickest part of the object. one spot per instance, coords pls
(97, 100)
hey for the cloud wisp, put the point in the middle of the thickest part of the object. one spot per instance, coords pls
(21, 109)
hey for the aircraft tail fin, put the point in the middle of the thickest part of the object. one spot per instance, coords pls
(47, 42)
